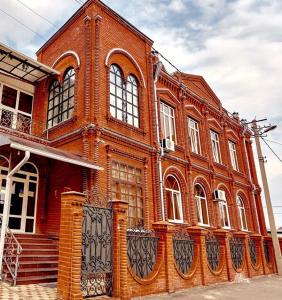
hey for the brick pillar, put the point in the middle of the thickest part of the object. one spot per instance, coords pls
(199, 236)
(165, 231)
(120, 284)
(70, 241)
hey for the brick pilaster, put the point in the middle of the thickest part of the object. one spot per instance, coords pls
(120, 284)
(70, 242)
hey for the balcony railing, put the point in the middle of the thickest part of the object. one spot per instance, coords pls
(20, 123)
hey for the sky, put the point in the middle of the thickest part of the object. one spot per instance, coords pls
(236, 45)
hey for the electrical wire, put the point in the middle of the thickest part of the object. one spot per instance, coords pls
(80, 2)
(272, 150)
(36, 13)
(18, 21)
(274, 142)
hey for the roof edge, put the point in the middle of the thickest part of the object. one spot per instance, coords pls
(80, 11)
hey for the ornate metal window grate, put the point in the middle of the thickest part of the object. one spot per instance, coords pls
(213, 251)
(253, 251)
(266, 251)
(183, 250)
(237, 252)
(96, 267)
(142, 246)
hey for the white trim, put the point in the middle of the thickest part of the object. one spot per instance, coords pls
(55, 156)
(69, 52)
(130, 56)
(167, 91)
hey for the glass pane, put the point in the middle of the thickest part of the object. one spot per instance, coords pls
(205, 212)
(9, 96)
(25, 103)
(14, 223)
(169, 205)
(29, 225)
(17, 198)
(177, 207)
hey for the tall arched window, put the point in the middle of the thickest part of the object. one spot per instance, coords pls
(242, 213)
(124, 103)
(202, 205)
(223, 210)
(173, 199)
(61, 99)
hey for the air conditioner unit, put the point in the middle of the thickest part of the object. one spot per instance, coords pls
(168, 145)
(219, 195)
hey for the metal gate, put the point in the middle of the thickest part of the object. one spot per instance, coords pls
(96, 266)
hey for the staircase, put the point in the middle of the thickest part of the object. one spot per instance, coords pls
(38, 262)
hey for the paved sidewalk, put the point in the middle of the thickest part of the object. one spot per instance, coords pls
(28, 292)
(259, 288)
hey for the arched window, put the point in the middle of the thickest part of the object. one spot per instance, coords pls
(242, 213)
(124, 102)
(202, 205)
(173, 199)
(61, 99)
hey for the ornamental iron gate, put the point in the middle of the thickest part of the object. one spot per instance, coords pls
(96, 265)
(237, 252)
(213, 251)
(183, 251)
(253, 252)
(266, 251)
(142, 246)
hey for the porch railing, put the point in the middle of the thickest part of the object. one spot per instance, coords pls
(20, 123)
(11, 254)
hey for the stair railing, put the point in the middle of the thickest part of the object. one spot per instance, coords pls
(11, 254)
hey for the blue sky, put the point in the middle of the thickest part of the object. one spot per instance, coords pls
(235, 44)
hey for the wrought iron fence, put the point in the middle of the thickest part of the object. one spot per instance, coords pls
(142, 246)
(237, 252)
(96, 267)
(22, 124)
(11, 254)
(266, 251)
(253, 251)
(213, 251)
(183, 250)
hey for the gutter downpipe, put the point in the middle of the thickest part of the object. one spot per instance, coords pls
(250, 177)
(7, 202)
(156, 77)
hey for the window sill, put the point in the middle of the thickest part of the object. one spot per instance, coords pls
(199, 156)
(176, 221)
(204, 225)
(126, 125)
(62, 124)
(220, 165)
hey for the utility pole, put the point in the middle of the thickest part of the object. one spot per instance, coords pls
(277, 251)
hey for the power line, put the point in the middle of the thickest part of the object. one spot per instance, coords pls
(274, 142)
(18, 21)
(36, 13)
(272, 150)
(80, 2)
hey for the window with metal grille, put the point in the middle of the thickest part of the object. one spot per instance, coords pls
(127, 185)
(61, 99)
(124, 102)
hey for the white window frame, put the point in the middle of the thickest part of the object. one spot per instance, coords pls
(15, 111)
(215, 146)
(224, 206)
(199, 201)
(242, 213)
(194, 135)
(233, 155)
(177, 193)
(171, 125)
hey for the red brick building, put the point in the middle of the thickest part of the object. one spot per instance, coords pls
(105, 120)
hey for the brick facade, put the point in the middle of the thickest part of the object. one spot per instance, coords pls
(91, 41)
